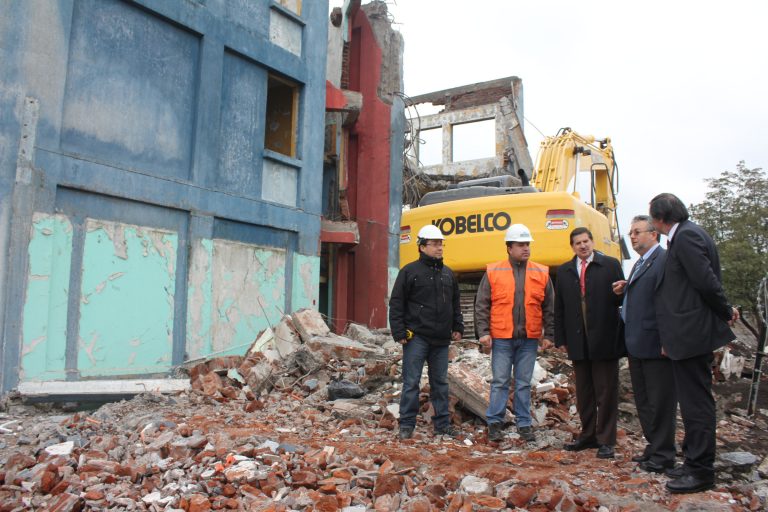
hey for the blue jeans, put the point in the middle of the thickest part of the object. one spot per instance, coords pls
(415, 353)
(506, 353)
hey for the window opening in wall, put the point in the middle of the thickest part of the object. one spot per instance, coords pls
(282, 116)
(431, 146)
(474, 140)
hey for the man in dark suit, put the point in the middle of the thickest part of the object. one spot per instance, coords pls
(651, 372)
(587, 323)
(694, 317)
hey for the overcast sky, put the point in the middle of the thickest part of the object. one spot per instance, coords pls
(680, 86)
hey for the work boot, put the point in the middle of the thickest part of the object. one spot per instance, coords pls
(448, 430)
(494, 432)
(405, 433)
(526, 434)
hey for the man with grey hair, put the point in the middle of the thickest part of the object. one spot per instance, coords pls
(653, 381)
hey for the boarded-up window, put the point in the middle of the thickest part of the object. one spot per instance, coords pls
(282, 116)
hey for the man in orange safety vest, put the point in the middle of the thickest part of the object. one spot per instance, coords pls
(514, 314)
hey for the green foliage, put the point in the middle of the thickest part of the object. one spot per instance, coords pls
(735, 213)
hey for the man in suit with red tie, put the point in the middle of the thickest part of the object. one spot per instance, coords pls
(587, 323)
(653, 383)
(694, 317)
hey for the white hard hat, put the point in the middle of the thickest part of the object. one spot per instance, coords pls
(518, 233)
(431, 232)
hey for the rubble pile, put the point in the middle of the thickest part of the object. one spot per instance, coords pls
(262, 432)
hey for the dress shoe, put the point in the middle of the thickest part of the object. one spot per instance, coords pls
(690, 483)
(405, 433)
(641, 458)
(580, 444)
(449, 431)
(495, 433)
(654, 467)
(526, 434)
(605, 452)
(676, 472)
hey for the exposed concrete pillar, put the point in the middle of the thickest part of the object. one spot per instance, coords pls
(27, 182)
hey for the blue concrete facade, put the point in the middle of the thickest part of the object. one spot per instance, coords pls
(160, 176)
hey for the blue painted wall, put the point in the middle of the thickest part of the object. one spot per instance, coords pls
(135, 189)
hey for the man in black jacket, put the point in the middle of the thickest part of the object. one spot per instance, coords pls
(587, 323)
(425, 315)
(653, 382)
(694, 317)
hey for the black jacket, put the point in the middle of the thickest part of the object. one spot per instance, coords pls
(425, 300)
(691, 307)
(604, 338)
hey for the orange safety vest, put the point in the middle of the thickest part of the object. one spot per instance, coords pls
(502, 280)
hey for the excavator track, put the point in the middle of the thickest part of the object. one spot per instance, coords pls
(467, 294)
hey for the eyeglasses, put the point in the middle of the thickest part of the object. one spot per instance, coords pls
(636, 232)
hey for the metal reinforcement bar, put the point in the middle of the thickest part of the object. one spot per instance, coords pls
(762, 318)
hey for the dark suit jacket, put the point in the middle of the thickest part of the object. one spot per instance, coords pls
(641, 331)
(691, 307)
(603, 336)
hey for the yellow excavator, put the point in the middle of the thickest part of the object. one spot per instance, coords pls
(474, 214)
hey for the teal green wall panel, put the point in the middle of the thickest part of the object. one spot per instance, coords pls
(44, 334)
(127, 300)
(306, 279)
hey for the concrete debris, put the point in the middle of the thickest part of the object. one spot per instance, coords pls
(258, 433)
(279, 343)
(344, 349)
(737, 461)
(471, 484)
(468, 381)
(309, 323)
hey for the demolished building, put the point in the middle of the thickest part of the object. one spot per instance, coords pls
(362, 178)
(157, 180)
(489, 115)
(165, 192)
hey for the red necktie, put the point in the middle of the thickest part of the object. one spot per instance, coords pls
(582, 277)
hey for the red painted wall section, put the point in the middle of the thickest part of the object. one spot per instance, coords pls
(334, 97)
(371, 181)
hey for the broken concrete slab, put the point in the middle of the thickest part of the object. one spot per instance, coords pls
(85, 390)
(277, 343)
(471, 389)
(363, 334)
(359, 333)
(306, 360)
(340, 348)
(257, 371)
(309, 324)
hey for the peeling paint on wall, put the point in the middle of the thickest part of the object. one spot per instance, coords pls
(248, 293)
(44, 337)
(199, 306)
(306, 276)
(127, 299)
